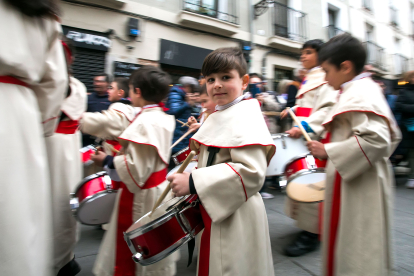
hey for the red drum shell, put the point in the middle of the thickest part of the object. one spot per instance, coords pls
(180, 156)
(300, 164)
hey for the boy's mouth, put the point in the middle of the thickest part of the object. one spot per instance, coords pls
(219, 94)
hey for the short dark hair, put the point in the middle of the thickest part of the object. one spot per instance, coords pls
(123, 84)
(314, 44)
(153, 82)
(341, 48)
(255, 75)
(107, 78)
(224, 60)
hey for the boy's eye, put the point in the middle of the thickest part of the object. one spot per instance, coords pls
(226, 77)
(210, 80)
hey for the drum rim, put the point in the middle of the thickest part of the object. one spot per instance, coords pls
(304, 172)
(88, 178)
(174, 157)
(157, 222)
(163, 254)
(87, 200)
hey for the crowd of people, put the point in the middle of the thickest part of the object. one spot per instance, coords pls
(227, 117)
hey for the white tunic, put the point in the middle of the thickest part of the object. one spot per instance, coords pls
(65, 173)
(235, 240)
(31, 51)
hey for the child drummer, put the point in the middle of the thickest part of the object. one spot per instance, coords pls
(357, 239)
(142, 168)
(234, 149)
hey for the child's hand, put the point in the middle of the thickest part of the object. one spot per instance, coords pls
(283, 114)
(194, 127)
(294, 132)
(179, 183)
(191, 120)
(98, 157)
(317, 149)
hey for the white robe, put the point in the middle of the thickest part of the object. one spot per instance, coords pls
(317, 95)
(146, 144)
(31, 51)
(358, 197)
(65, 173)
(235, 240)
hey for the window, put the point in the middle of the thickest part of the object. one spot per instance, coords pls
(367, 4)
(220, 9)
(369, 32)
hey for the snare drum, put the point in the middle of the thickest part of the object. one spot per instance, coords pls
(180, 156)
(191, 166)
(306, 179)
(173, 224)
(93, 199)
(286, 149)
(86, 153)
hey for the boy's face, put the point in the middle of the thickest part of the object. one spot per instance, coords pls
(309, 58)
(207, 103)
(337, 76)
(114, 94)
(225, 87)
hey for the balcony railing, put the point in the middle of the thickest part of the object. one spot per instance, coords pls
(400, 64)
(212, 8)
(367, 4)
(289, 23)
(394, 16)
(334, 31)
(375, 55)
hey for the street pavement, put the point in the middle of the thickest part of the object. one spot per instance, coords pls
(282, 232)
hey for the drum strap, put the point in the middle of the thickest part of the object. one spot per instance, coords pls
(212, 151)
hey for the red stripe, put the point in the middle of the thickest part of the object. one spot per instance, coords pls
(67, 127)
(159, 154)
(333, 227)
(327, 139)
(50, 119)
(241, 179)
(303, 111)
(204, 259)
(310, 89)
(363, 151)
(124, 265)
(12, 80)
(153, 180)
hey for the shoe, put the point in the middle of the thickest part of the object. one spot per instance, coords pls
(266, 195)
(70, 269)
(410, 184)
(305, 242)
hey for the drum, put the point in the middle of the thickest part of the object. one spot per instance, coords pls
(93, 199)
(306, 179)
(286, 149)
(173, 224)
(191, 166)
(180, 156)
(86, 153)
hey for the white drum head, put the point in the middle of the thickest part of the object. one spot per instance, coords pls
(189, 168)
(307, 188)
(97, 209)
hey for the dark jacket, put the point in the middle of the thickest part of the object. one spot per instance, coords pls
(405, 107)
(182, 111)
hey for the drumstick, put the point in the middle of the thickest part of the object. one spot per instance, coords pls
(305, 134)
(271, 113)
(168, 188)
(112, 148)
(181, 122)
(181, 138)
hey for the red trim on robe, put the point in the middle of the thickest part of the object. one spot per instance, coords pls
(241, 179)
(204, 258)
(366, 111)
(363, 151)
(303, 111)
(333, 227)
(124, 265)
(50, 119)
(67, 127)
(13, 80)
(155, 179)
(146, 145)
(115, 144)
(310, 89)
(122, 113)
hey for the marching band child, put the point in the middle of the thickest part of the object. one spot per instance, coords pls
(208, 106)
(234, 149)
(142, 168)
(313, 100)
(357, 212)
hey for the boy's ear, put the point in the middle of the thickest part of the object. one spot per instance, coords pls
(121, 93)
(347, 67)
(245, 80)
(138, 92)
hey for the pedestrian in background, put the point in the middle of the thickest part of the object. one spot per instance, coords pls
(405, 106)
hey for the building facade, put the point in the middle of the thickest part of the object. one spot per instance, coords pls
(118, 36)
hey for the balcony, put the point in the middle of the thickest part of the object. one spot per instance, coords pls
(394, 16)
(375, 55)
(400, 64)
(210, 15)
(334, 31)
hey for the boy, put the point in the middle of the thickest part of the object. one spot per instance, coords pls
(109, 124)
(142, 168)
(66, 171)
(313, 100)
(357, 212)
(208, 106)
(234, 148)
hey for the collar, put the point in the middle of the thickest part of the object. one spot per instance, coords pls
(235, 101)
(150, 106)
(358, 77)
(314, 68)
